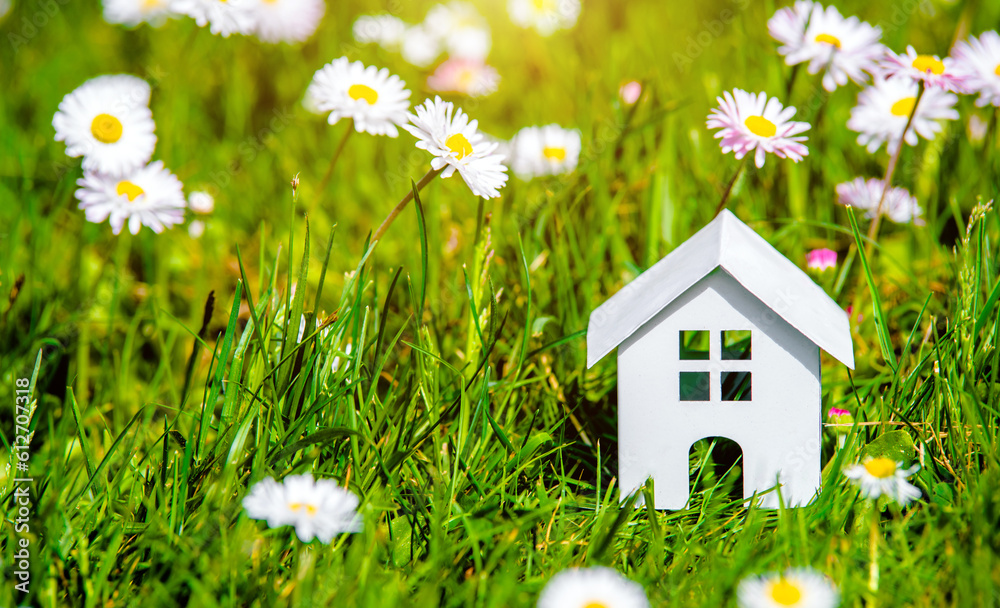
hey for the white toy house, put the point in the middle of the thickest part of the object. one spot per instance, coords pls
(721, 338)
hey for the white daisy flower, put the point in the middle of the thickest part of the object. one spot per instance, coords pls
(884, 108)
(469, 77)
(5, 6)
(788, 25)
(151, 196)
(978, 60)
(106, 121)
(419, 46)
(898, 205)
(548, 150)
(798, 587)
(591, 588)
(134, 12)
(224, 17)
(456, 143)
(546, 16)
(750, 122)
(384, 30)
(287, 20)
(317, 508)
(196, 229)
(374, 99)
(844, 48)
(461, 29)
(200, 201)
(935, 72)
(884, 476)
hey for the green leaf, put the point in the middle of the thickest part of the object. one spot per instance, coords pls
(896, 445)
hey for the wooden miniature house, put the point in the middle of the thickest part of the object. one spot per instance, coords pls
(721, 338)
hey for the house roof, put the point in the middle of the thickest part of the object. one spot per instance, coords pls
(728, 243)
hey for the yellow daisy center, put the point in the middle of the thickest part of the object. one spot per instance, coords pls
(785, 593)
(881, 467)
(760, 126)
(904, 106)
(542, 5)
(827, 38)
(363, 91)
(458, 144)
(149, 5)
(298, 506)
(106, 128)
(595, 605)
(930, 63)
(466, 78)
(997, 70)
(554, 154)
(130, 190)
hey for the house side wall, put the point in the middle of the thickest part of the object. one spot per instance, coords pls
(779, 430)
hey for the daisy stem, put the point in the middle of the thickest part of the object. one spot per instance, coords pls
(729, 187)
(873, 541)
(336, 156)
(403, 203)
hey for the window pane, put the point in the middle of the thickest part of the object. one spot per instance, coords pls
(695, 386)
(736, 386)
(736, 344)
(694, 345)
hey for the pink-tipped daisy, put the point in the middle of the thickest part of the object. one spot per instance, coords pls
(754, 122)
(978, 60)
(884, 476)
(845, 48)
(469, 77)
(884, 108)
(788, 25)
(864, 194)
(821, 259)
(933, 71)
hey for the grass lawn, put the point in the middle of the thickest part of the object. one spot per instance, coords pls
(441, 376)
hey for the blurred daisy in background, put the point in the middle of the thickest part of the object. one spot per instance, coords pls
(5, 6)
(821, 259)
(461, 30)
(934, 72)
(788, 26)
(864, 194)
(630, 92)
(105, 121)
(419, 46)
(590, 588)
(196, 229)
(799, 587)
(317, 508)
(201, 202)
(150, 196)
(751, 122)
(978, 60)
(287, 20)
(884, 477)
(469, 77)
(545, 16)
(548, 150)
(223, 17)
(384, 30)
(457, 145)
(843, 48)
(134, 12)
(884, 108)
(374, 99)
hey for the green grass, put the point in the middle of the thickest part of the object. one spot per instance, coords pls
(463, 416)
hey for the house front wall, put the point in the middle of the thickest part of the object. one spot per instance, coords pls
(778, 428)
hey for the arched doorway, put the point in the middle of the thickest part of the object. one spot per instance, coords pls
(715, 472)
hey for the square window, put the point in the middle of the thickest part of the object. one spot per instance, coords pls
(695, 386)
(694, 345)
(736, 344)
(736, 386)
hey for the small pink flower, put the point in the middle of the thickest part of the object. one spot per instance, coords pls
(836, 411)
(753, 122)
(630, 92)
(821, 259)
(469, 77)
(935, 72)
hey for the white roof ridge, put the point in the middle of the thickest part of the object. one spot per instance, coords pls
(753, 262)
